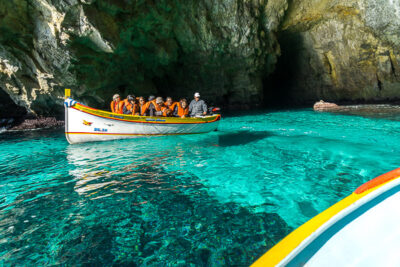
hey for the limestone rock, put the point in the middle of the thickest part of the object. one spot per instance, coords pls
(325, 106)
(344, 50)
(229, 50)
(221, 48)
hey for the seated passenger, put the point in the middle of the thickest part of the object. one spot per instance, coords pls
(117, 105)
(182, 109)
(169, 104)
(140, 106)
(145, 111)
(129, 105)
(197, 107)
(154, 108)
(160, 108)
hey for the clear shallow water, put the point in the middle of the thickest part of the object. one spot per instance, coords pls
(222, 198)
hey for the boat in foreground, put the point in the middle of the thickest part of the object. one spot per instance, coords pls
(361, 230)
(86, 124)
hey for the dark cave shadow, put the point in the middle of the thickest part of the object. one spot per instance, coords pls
(241, 138)
(279, 85)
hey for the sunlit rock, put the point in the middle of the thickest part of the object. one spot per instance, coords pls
(325, 106)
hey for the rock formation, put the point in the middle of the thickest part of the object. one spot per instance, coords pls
(325, 106)
(99, 47)
(236, 52)
(340, 50)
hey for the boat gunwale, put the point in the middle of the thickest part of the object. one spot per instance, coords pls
(211, 119)
(293, 244)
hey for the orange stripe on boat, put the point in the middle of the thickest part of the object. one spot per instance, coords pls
(384, 178)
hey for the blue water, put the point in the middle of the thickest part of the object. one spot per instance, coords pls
(221, 198)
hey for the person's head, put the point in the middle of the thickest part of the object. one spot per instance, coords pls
(159, 100)
(197, 96)
(152, 97)
(183, 103)
(131, 98)
(141, 100)
(169, 101)
(116, 97)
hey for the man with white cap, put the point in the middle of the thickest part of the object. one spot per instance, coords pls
(197, 107)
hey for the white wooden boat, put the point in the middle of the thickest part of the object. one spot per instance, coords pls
(360, 230)
(86, 124)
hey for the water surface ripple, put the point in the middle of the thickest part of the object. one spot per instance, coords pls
(222, 198)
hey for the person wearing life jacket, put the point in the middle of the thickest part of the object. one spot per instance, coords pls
(140, 105)
(117, 105)
(154, 107)
(170, 104)
(182, 109)
(145, 109)
(129, 105)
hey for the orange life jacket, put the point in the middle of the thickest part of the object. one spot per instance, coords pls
(144, 108)
(136, 109)
(173, 105)
(156, 106)
(140, 109)
(182, 111)
(117, 107)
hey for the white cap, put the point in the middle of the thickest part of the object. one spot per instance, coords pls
(115, 96)
(196, 94)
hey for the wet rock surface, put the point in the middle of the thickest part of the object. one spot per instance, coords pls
(38, 123)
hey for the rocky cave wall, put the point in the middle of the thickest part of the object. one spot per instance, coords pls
(339, 51)
(237, 53)
(99, 47)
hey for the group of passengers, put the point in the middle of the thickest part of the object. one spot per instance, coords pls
(157, 107)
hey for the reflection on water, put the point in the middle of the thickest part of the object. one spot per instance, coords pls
(208, 200)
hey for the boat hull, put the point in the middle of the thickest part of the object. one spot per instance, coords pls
(84, 124)
(360, 230)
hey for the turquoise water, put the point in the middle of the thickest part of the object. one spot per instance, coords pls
(222, 198)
